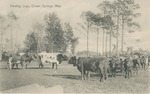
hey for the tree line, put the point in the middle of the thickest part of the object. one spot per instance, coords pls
(113, 20)
(51, 36)
(8, 24)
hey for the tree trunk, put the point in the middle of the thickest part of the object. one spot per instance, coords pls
(37, 49)
(6, 46)
(110, 42)
(11, 39)
(52, 48)
(97, 40)
(106, 45)
(122, 34)
(117, 34)
(87, 41)
(103, 42)
(1, 47)
(16, 39)
(73, 49)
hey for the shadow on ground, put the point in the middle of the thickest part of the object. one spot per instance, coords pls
(75, 77)
(39, 68)
(5, 68)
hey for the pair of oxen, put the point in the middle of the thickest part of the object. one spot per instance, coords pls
(105, 66)
(18, 58)
(24, 58)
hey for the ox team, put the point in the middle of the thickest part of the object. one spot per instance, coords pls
(105, 66)
(110, 66)
(24, 58)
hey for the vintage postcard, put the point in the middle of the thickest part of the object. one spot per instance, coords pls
(74, 46)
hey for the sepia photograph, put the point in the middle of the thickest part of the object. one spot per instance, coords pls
(74, 46)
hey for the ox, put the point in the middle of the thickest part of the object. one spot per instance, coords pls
(54, 58)
(27, 58)
(112, 67)
(143, 62)
(130, 64)
(86, 65)
(19, 58)
(147, 61)
(116, 65)
(14, 59)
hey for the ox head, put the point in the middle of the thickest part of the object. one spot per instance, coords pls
(60, 58)
(34, 56)
(113, 62)
(72, 60)
(29, 56)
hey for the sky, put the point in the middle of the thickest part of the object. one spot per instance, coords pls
(70, 11)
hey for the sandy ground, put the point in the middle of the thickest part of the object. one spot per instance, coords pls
(69, 78)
